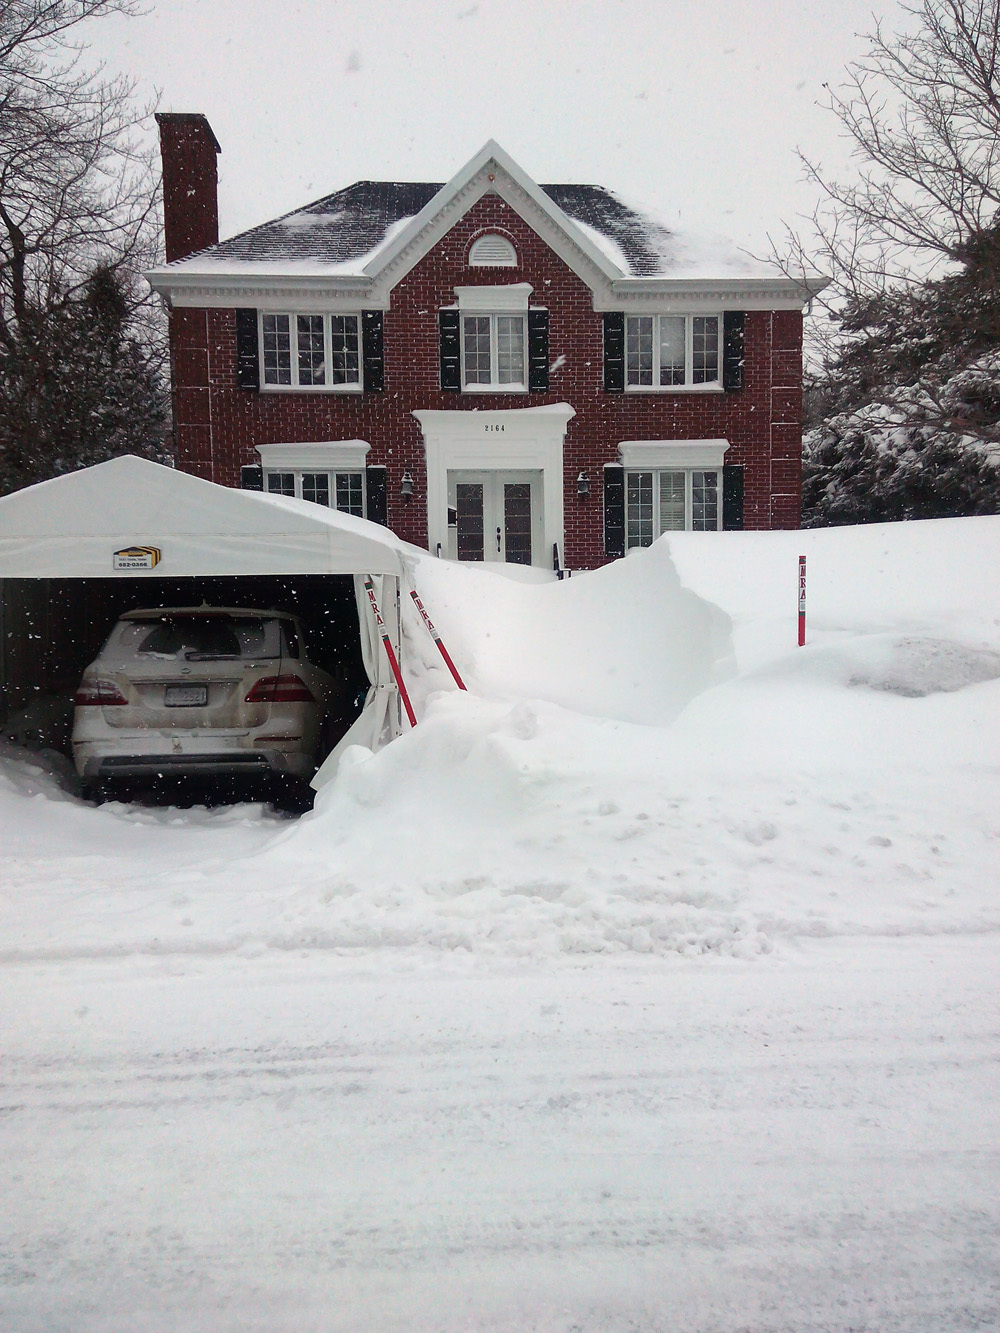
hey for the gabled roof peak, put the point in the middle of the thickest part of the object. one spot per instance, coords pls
(466, 179)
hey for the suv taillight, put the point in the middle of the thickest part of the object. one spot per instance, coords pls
(280, 690)
(99, 694)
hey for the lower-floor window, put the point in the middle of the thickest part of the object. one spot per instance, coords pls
(669, 500)
(337, 490)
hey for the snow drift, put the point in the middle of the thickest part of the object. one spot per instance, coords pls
(644, 762)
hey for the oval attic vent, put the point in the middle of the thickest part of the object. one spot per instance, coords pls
(493, 252)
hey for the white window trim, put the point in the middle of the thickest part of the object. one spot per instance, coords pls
(713, 386)
(685, 456)
(663, 455)
(331, 457)
(315, 456)
(494, 386)
(292, 316)
(499, 299)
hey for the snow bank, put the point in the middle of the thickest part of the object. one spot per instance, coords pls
(628, 641)
(644, 762)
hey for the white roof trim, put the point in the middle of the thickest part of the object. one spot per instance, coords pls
(708, 295)
(279, 290)
(276, 287)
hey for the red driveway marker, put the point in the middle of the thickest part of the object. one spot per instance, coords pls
(437, 639)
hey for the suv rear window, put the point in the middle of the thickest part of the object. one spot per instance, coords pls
(194, 638)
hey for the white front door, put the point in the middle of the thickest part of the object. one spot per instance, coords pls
(493, 449)
(495, 516)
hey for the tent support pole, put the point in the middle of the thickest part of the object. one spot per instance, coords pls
(389, 652)
(437, 639)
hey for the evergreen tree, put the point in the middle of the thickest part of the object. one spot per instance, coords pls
(903, 397)
(78, 385)
(907, 414)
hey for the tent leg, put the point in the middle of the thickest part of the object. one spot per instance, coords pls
(390, 654)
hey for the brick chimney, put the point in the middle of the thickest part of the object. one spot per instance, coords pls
(188, 150)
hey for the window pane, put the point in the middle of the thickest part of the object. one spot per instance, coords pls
(510, 350)
(281, 483)
(350, 499)
(277, 350)
(639, 349)
(344, 350)
(316, 487)
(672, 501)
(312, 363)
(705, 349)
(672, 349)
(639, 509)
(476, 335)
(704, 501)
(469, 520)
(517, 522)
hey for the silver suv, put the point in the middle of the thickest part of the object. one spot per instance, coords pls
(189, 691)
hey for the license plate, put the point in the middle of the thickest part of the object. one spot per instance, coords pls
(185, 696)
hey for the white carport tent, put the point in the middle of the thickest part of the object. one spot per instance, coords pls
(70, 528)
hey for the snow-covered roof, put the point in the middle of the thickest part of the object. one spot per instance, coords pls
(346, 229)
(364, 238)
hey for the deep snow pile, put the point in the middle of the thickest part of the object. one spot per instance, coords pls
(645, 761)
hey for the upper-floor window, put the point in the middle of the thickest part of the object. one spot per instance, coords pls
(310, 351)
(492, 251)
(672, 351)
(493, 352)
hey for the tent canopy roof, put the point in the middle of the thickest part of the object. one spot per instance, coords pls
(72, 526)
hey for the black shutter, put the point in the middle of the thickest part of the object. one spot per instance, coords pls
(538, 351)
(252, 477)
(449, 326)
(614, 510)
(247, 360)
(372, 355)
(614, 352)
(377, 495)
(732, 499)
(733, 323)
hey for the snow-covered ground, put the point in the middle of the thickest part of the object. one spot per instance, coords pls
(651, 984)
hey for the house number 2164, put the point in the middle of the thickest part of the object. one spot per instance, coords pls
(489, 429)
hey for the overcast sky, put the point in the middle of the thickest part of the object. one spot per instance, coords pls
(691, 107)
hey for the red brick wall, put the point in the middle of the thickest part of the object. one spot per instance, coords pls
(189, 152)
(219, 426)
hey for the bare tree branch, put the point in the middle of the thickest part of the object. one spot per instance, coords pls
(79, 195)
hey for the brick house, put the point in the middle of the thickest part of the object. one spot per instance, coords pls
(496, 369)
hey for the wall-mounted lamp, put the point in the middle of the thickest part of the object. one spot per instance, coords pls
(406, 486)
(583, 485)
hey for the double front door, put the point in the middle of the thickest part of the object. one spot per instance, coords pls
(495, 516)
